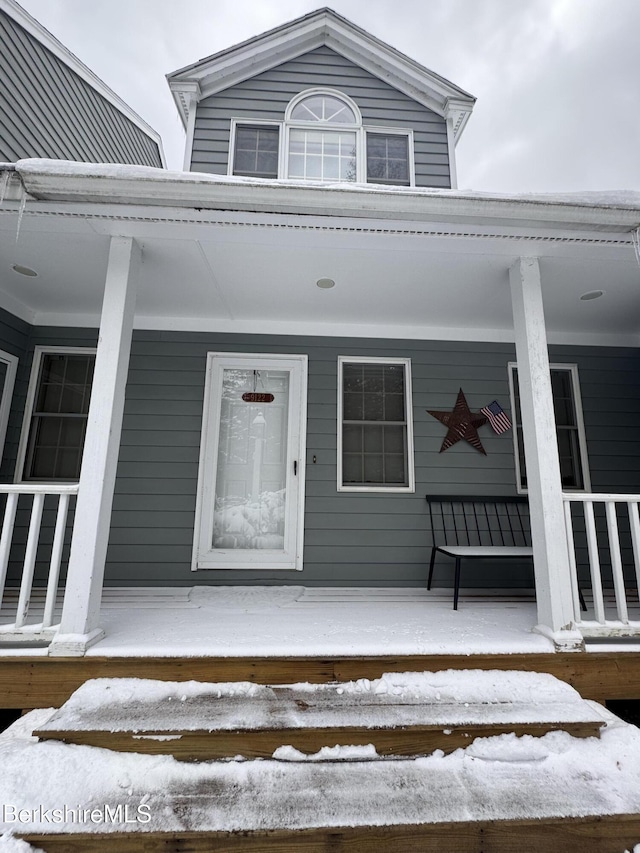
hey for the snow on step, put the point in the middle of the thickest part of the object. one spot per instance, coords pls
(494, 779)
(400, 713)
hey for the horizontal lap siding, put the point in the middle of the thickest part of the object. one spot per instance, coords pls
(266, 97)
(350, 538)
(47, 110)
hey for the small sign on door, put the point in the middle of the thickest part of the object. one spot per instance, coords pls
(256, 397)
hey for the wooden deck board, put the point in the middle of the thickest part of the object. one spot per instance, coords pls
(39, 682)
(607, 834)
(408, 741)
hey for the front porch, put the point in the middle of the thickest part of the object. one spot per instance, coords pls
(288, 634)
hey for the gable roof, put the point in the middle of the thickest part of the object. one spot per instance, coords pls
(324, 27)
(42, 35)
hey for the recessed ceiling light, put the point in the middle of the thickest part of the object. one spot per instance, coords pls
(24, 270)
(592, 294)
(325, 283)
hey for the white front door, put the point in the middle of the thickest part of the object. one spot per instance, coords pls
(251, 478)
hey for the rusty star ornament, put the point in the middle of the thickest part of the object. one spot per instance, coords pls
(462, 425)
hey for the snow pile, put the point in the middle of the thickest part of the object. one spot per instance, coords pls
(240, 523)
(10, 844)
(328, 753)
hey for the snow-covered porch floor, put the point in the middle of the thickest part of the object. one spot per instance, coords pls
(311, 621)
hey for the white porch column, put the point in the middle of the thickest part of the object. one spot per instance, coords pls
(79, 627)
(551, 561)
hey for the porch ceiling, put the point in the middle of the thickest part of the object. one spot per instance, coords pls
(257, 273)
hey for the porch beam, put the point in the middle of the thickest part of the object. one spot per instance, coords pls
(79, 627)
(551, 558)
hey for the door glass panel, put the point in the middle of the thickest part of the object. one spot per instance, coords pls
(250, 492)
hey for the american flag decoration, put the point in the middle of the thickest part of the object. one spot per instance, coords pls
(497, 417)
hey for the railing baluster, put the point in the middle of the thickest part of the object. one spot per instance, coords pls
(38, 492)
(571, 548)
(56, 560)
(616, 562)
(594, 562)
(7, 536)
(634, 524)
(29, 560)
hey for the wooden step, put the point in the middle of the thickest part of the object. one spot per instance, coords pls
(599, 834)
(401, 714)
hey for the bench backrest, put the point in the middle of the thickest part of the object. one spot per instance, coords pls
(471, 520)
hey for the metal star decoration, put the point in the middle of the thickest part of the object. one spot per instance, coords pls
(462, 424)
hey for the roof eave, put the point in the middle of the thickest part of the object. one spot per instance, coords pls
(55, 181)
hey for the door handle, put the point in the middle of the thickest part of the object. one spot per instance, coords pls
(295, 467)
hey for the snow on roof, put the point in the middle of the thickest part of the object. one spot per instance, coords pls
(625, 199)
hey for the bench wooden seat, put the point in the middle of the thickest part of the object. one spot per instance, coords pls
(473, 527)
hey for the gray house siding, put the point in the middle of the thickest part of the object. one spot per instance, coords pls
(350, 539)
(266, 97)
(47, 110)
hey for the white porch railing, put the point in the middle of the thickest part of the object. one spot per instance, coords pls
(16, 621)
(603, 533)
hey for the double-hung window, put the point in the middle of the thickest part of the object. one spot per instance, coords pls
(256, 148)
(322, 138)
(375, 430)
(572, 447)
(56, 415)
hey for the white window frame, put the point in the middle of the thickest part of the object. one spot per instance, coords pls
(361, 130)
(391, 131)
(408, 400)
(582, 436)
(249, 122)
(38, 352)
(11, 362)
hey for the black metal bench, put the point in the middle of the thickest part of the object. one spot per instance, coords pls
(469, 527)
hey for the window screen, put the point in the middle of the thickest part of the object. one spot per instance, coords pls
(256, 151)
(388, 158)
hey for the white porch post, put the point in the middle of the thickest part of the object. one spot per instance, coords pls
(551, 560)
(79, 627)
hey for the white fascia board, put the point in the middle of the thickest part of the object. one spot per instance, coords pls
(58, 181)
(34, 28)
(258, 55)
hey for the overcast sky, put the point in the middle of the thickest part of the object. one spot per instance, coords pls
(557, 81)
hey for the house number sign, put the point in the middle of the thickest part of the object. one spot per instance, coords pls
(257, 397)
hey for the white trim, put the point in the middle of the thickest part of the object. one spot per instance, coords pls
(203, 555)
(408, 400)
(451, 149)
(582, 435)
(34, 28)
(332, 93)
(38, 352)
(6, 398)
(383, 130)
(190, 130)
(249, 122)
(323, 27)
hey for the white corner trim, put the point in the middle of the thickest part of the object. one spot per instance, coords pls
(35, 29)
(451, 149)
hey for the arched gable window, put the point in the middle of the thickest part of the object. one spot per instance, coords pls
(323, 137)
